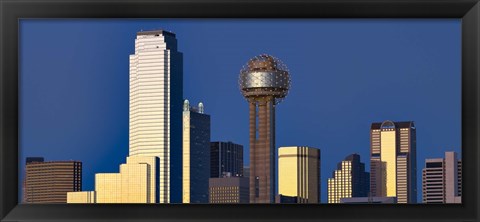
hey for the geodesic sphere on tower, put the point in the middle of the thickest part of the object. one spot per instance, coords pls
(264, 76)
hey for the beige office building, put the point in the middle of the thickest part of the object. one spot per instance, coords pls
(81, 197)
(393, 161)
(441, 179)
(299, 173)
(136, 183)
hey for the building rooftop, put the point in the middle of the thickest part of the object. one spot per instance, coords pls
(404, 124)
(156, 32)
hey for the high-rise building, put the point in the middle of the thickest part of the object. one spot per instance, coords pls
(153, 172)
(226, 157)
(393, 161)
(196, 153)
(228, 189)
(49, 182)
(156, 98)
(441, 179)
(349, 180)
(299, 173)
(27, 161)
(264, 81)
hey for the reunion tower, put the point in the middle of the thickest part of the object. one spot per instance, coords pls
(264, 81)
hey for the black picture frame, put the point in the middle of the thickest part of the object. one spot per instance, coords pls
(13, 10)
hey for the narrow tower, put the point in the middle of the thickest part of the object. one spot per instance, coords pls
(264, 81)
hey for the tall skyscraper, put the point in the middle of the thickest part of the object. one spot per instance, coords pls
(349, 180)
(393, 161)
(156, 98)
(264, 81)
(441, 179)
(228, 189)
(196, 153)
(299, 173)
(49, 182)
(226, 157)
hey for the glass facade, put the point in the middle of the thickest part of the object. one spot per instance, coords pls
(196, 154)
(349, 180)
(156, 97)
(299, 173)
(226, 157)
(393, 161)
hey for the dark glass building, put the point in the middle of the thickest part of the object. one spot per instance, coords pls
(226, 157)
(196, 153)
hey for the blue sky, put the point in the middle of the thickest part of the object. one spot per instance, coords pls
(346, 74)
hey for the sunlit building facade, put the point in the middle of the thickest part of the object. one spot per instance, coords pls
(441, 179)
(196, 153)
(156, 97)
(226, 157)
(81, 197)
(49, 182)
(393, 161)
(136, 182)
(299, 173)
(349, 180)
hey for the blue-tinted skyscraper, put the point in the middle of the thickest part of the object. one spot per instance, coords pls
(196, 154)
(226, 157)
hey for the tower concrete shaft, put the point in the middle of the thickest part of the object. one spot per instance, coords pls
(262, 150)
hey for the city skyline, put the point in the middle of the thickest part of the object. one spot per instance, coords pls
(318, 140)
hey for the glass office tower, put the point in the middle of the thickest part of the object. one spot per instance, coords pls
(393, 159)
(349, 180)
(299, 173)
(226, 157)
(196, 153)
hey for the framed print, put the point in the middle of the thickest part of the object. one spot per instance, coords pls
(239, 110)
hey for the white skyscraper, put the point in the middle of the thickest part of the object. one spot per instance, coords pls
(153, 172)
(156, 85)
